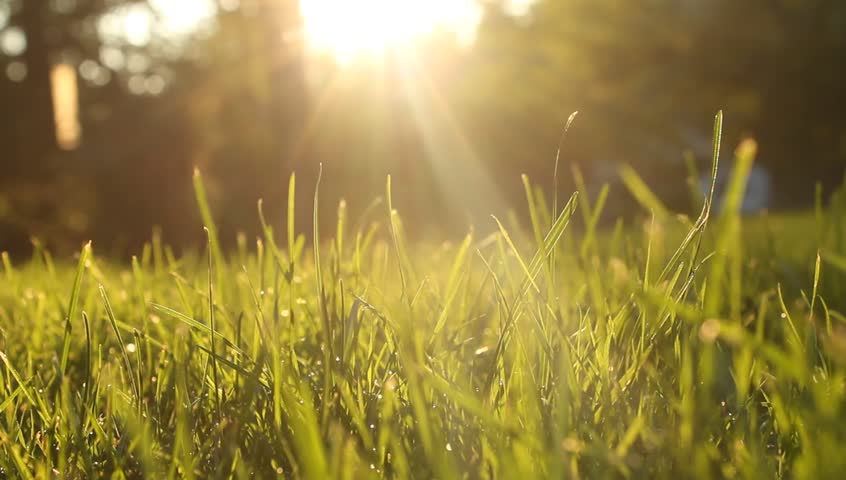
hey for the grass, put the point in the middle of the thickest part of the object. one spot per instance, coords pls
(669, 347)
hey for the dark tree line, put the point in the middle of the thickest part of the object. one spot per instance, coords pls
(455, 127)
(233, 106)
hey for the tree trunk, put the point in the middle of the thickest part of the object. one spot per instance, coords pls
(36, 139)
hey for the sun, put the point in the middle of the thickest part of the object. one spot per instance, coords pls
(349, 30)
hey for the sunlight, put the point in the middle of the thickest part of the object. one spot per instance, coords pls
(183, 17)
(348, 30)
(138, 24)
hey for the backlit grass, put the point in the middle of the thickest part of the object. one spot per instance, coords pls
(671, 346)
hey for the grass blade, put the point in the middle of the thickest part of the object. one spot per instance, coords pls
(73, 304)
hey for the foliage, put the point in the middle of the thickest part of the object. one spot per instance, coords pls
(246, 102)
(228, 98)
(668, 348)
(636, 68)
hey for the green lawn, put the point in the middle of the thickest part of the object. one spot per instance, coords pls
(703, 346)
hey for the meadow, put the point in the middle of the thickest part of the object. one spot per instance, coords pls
(699, 344)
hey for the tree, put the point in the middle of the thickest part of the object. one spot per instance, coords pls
(36, 131)
(165, 106)
(644, 75)
(28, 127)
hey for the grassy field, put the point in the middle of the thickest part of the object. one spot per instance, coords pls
(706, 345)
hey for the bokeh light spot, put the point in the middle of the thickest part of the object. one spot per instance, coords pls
(13, 41)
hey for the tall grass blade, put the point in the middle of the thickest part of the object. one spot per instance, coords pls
(73, 304)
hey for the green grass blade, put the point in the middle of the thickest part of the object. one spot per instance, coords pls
(452, 282)
(130, 372)
(73, 304)
(208, 219)
(642, 193)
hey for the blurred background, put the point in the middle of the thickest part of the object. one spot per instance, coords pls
(107, 106)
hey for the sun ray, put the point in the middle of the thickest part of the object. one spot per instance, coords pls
(312, 121)
(450, 153)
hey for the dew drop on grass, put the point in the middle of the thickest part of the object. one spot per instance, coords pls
(448, 447)
(130, 347)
